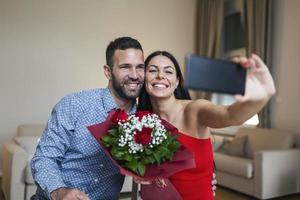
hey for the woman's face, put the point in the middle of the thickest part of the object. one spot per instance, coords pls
(161, 78)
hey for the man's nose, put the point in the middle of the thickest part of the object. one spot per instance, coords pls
(133, 73)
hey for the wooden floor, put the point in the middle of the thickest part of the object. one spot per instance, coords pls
(1, 193)
(227, 194)
(221, 194)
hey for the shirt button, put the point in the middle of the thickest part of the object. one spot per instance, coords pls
(101, 165)
(96, 180)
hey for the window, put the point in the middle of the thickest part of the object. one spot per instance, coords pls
(233, 44)
(223, 99)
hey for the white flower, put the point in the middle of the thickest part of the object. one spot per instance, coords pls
(133, 125)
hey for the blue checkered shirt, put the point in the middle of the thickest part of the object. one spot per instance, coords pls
(69, 156)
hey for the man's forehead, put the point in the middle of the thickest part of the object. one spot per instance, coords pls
(129, 55)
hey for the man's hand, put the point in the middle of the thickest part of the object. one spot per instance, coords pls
(141, 181)
(160, 182)
(68, 194)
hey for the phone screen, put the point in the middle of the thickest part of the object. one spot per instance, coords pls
(214, 75)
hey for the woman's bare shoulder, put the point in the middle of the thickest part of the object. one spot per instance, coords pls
(192, 125)
(196, 105)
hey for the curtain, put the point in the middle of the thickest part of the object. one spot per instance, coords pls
(209, 24)
(258, 15)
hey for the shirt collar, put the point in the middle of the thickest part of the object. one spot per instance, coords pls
(109, 103)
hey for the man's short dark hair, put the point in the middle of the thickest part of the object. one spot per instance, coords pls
(121, 43)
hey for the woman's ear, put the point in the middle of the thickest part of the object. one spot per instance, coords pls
(107, 72)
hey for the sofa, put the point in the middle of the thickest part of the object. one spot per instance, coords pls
(17, 181)
(262, 163)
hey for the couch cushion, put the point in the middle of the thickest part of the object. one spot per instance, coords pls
(235, 147)
(217, 141)
(27, 143)
(234, 165)
(28, 175)
(30, 129)
(265, 139)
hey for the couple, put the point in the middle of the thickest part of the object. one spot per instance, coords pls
(70, 164)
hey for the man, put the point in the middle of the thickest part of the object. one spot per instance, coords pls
(69, 163)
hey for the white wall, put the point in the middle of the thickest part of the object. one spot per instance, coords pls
(51, 48)
(286, 54)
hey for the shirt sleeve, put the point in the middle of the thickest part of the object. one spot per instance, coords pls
(56, 139)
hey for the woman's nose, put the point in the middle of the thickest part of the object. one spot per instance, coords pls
(160, 75)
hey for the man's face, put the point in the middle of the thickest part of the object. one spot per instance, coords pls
(127, 73)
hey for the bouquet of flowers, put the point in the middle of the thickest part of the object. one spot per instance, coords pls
(144, 146)
(138, 140)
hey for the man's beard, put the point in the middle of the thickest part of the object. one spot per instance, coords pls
(121, 90)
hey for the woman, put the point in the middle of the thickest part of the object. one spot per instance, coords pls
(163, 93)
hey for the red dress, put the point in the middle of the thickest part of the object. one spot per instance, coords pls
(195, 184)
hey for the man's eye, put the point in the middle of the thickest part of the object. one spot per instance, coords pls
(152, 70)
(141, 67)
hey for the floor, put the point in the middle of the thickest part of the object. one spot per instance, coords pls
(221, 194)
(227, 194)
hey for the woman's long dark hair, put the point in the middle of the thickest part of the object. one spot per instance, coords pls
(179, 93)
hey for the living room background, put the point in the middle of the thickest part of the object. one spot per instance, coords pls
(51, 48)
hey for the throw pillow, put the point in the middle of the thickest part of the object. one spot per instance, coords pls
(235, 147)
(217, 142)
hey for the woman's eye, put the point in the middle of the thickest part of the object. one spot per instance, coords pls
(152, 70)
(169, 72)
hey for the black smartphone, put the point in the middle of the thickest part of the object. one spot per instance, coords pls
(213, 75)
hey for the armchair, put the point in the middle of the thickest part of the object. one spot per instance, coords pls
(262, 163)
(17, 181)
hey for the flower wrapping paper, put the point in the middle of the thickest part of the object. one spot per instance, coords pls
(182, 159)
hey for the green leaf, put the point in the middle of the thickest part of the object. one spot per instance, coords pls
(174, 145)
(106, 139)
(132, 165)
(141, 169)
(120, 129)
(163, 151)
(117, 154)
(128, 157)
(105, 145)
(113, 132)
(148, 151)
(156, 157)
(114, 141)
(148, 160)
(113, 151)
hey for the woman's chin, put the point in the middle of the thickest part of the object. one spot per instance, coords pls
(160, 95)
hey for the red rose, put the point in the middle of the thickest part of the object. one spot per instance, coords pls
(119, 115)
(141, 113)
(143, 137)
